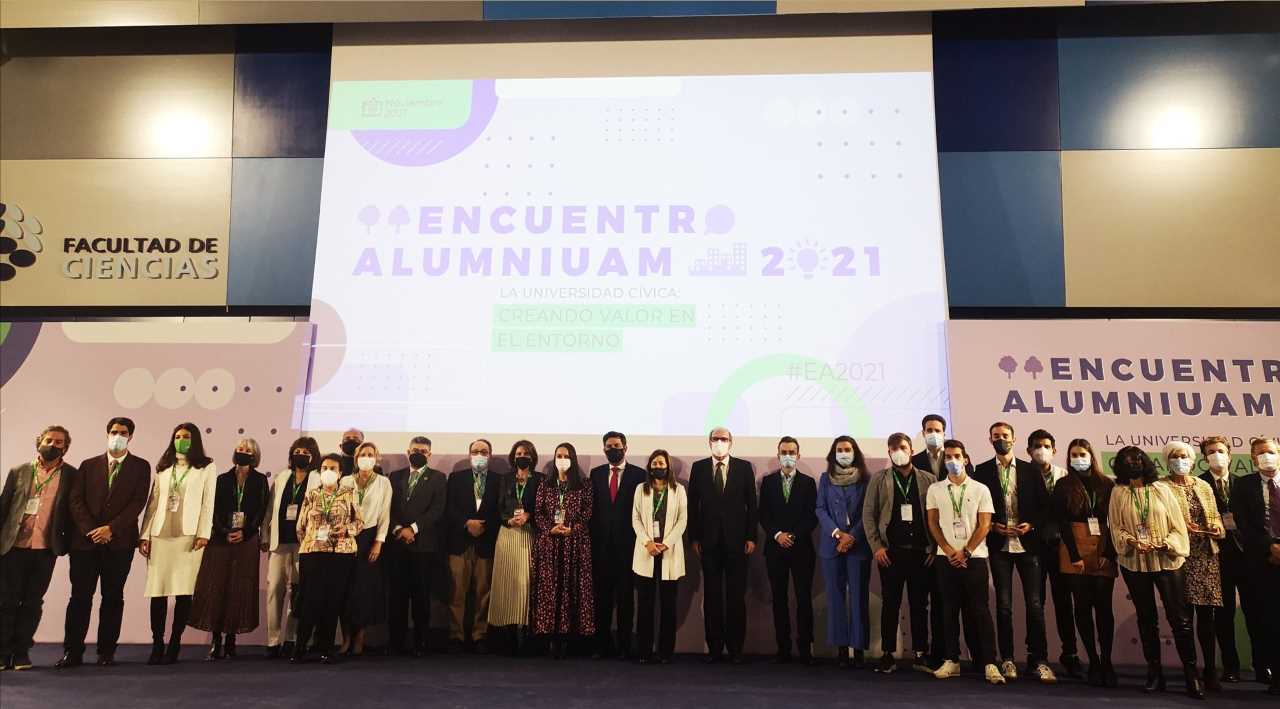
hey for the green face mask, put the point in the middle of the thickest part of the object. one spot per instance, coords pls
(182, 445)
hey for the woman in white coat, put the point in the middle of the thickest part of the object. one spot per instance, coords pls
(280, 541)
(367, 597)
(659, 516)
(175, 530)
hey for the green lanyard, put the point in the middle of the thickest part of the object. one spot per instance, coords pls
(478, 484)
(361, 490)
(178, 481)
(561, 488)
(326, 502)
(1004, 478)
(659, 500)
(1143, 509)
(520, 486)
(787, 482)
(299, 487)
(957, 505)
(414, 477)
(36, 486)
(239, 496)
(902, 485)
(1093, 502)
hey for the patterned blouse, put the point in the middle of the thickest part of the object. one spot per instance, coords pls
(336, 513)
(1164, 523)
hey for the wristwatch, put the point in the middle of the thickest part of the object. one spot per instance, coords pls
(968, 554)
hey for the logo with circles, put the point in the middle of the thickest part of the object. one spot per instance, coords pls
(19, 240)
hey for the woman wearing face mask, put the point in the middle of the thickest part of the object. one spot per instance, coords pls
(509, 591)
(1203, 570)
(175, 530)
(1150, 537)
(327, 527)
(367, 597)
(1086, 558)
(280, 540)
(226, 598)
(658, 515)
(843, 548)
(564, 604)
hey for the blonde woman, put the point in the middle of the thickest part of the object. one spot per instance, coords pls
(367, 597)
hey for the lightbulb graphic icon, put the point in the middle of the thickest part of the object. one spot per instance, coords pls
(808, 257)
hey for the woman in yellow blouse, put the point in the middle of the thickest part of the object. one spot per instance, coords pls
(327, 527)
(1150, 537)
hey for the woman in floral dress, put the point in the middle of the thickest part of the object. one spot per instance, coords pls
(564, 606)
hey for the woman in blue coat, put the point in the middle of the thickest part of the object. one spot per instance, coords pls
(846, 557)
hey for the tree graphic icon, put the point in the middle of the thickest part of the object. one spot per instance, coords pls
(1033, 367)
(398, 217)
(368, 216)
(1008, 365)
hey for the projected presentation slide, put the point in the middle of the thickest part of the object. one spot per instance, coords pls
(656, 255)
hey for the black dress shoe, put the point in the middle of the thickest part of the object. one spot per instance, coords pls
(1195, 687)
(1071, 666)
(286, 649)
(1155, 680)
(1211, 682)
(736, 660)
(710, 658)
(1110, 679)
(1262, 676)
(107, 659)
(842, 656)
(858, 660)
(68, 661)
(648, 660)
(781, 658)
(665, 659)
(1231, 676)
(273, 652)
(328, 659)
(1095, 674)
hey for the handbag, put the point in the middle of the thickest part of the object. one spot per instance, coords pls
(1089, 547)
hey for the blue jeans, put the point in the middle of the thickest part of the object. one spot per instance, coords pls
(1028, 565)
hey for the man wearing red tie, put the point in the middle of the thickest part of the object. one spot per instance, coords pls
(613, 488)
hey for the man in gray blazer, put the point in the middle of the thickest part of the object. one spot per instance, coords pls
(893, 518)
(34, 515)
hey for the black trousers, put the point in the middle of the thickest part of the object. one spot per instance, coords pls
(795, 565)
(614, 587)
(907, 567)
(724, 600)
(1056, 585)
(1094, 615)
(650, 590)
(1028, 565)
(1171, 585)
(408, 595)
(24, 578)
(325, 578)
(1235, 578)
(1265, 578)
(966, 595)
(111, 567)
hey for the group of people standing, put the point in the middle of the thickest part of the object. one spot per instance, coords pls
(554, 557)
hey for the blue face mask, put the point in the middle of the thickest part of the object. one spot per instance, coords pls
(955, 467)
(787, 461)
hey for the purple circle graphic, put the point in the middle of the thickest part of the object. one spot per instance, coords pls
(720, 220)
(416, 148)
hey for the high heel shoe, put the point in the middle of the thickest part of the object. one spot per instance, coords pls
(1155, 680)
(229, 646)
(1195, 687)
(859, 661)
(215, 650)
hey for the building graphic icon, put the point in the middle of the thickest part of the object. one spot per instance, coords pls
(722, 263)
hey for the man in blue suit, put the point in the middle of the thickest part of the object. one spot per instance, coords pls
(613, 489)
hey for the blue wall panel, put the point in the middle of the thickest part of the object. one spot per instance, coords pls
(281, 104)
(1002, 228)
(275, 213)
(566, 9)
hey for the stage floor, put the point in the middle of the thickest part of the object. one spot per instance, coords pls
(493, 681)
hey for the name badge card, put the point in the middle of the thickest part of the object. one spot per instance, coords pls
(1229, 522)
(907, 513)
(959, 530)
(237, 520)
(33, 506)
(291, 513)
(174, 501)
(1015, 545)
(1095, 527)
(559, 518)
(322, 533)
(1144, 535)
(656, 530)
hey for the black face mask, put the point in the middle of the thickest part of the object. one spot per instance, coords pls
(50, 453)
(349, 446)
(300, 460)
(417, 460)
(523, 462)
(614, 455)
(658, 473)
(1002, 447)
(242, 458)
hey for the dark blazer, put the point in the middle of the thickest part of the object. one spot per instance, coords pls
(93, 506)
(1232, 544)
(13, 505)
(728, 517)
(611, 530)
(507, 497)
(1033, 503)
(425, 508)
(1250, 515)
(257, 498)
(796, 516)
(461, 506)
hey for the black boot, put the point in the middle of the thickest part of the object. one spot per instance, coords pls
(1109, 677)
(842, 656)
(171, 652)
(215, 651)
(1155, 679)
(230, 645)
(157, 653)
(1195, 688)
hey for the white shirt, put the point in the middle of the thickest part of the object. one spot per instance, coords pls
(976, 499)
(375, 508)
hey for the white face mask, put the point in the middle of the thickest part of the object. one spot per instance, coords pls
(1219, 460)
(328, 477)
(933, 439)
(844, 459)
(787, 461)
(1181, 466)
(479, 462)
(1081, 463)
(719, 449)
(1267, 461)
(899, 457)
(955, 467)
(366, 462)
(562, 464)
(1043, 456)
(117, 443)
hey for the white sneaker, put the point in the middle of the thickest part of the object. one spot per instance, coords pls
(1045, 675)
(1009, 670)
(993, 674)
(949, 669)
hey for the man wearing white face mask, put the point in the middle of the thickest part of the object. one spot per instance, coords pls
(934, 429)
(722, 524)
(471, 531)
(787, 501)
(1255, 507)
(1217, 453)
(1042, 447)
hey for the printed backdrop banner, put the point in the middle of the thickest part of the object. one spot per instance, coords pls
(1116, 382)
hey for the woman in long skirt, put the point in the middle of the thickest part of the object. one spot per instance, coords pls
(564, 605)
(509, 593)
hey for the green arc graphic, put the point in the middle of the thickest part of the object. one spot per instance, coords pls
(783, 366)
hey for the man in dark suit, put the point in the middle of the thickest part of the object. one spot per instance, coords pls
(351, 439)
(417, 506)
(1255, 506)
(1217, 453)
(787, 502)
(934, 430)
(107, 496)
(722, 526)
(34, 516)
(471, 530)
(613, 489)
(1021, 504)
